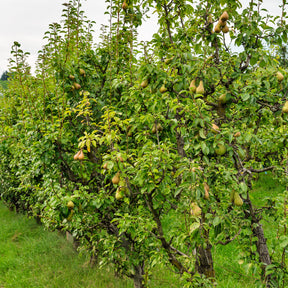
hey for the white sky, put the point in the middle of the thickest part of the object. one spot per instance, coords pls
(26, 21)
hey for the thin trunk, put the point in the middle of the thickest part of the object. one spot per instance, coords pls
(204, 261)
(139, 276)
(262, 248)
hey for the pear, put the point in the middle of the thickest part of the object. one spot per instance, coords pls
(156, 128)
(119, 194)
(77, 155)
(225, 29)
(220, 149)
(82, 72)
(237, 200)
(144, 83)
(224, 17)
(217, 28)
(223, 99)
(76, 86)
(120, 158)
(81, 155)
(237, 134)
(70, 205)
(116, 178)
(163, 89)
(279, 76)
(285, 107)
(168, 60)
(105, 166)
(124, 5)
(71, 77)
(215, 129)
(192, 86)
(200, 88)
(206, 189)
(195, 210)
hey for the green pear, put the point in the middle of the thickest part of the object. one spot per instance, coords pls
(285, 107)
(220, 149)
(192, 86)
(237, 199)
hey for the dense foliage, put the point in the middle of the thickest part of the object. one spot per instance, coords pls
(147, 152)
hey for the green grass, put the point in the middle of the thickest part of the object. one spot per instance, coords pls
(32, 257)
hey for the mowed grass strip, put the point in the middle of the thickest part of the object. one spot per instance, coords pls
(32, 257)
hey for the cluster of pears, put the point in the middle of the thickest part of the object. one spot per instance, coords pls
(122, 188)
(222, 23)
(76, 85)
(235, 198)
(156, 127)
(197, 89)
(79, 155)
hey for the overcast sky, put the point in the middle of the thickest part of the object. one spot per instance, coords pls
(26, 21)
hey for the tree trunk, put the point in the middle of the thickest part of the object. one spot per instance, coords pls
(204, 261)
(262, 248)
(139, 276)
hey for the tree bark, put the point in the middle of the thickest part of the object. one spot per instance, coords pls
(139, 276)
(204, 261)
(262, 248)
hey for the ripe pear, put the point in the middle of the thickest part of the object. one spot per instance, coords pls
(279, 76)
(70, 205)
(82, 72)
(120, 158)
(217, 28)
(225, 29)
(237, 134)
(105, 166)
(163, 89)
(144, 83)
(124, 5)
(220, 149)
(76, 86)
(71, 77)
(215, 129)
(195, 210)
(81, 155)
(237, 200)
(77, 155)
(200, 88)
(206, 189)
(285, 107)
(223, 99)
(224, 17)
(192, 86)
(116, 178)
